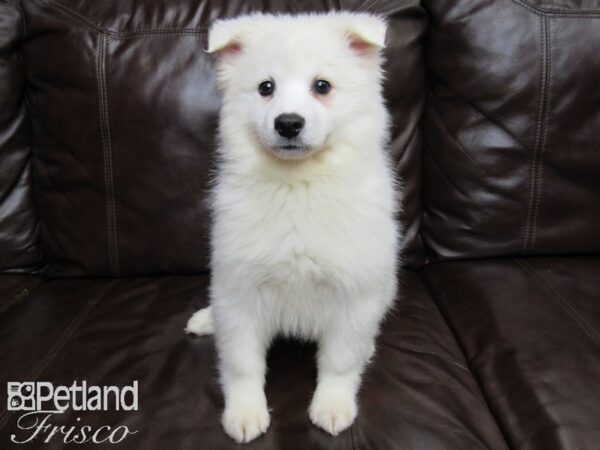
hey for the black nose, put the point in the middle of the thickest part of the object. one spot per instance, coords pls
(289, 125)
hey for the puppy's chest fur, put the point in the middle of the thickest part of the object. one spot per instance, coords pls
(303, 234)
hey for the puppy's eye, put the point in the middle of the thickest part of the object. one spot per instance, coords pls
(266, 88)
(322, 87)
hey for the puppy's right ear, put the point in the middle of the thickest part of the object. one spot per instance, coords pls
(367, 33)
(224, 37)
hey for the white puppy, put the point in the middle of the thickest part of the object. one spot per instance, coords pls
(304, 241)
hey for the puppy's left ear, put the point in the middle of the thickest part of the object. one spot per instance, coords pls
(366, 33)
(224, 37)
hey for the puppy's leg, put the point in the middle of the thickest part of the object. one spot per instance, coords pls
(344, 350)
(200, 323)
(242, 353)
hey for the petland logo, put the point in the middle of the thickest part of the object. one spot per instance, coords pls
(40, 401)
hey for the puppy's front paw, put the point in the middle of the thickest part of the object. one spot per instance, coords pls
(245, 421)
(333, 411)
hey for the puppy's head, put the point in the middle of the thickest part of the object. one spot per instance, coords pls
(293, 85)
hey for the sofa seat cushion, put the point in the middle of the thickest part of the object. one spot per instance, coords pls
(417, 393)
(530, 329)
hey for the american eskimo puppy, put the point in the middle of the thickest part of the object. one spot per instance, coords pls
(304, 241)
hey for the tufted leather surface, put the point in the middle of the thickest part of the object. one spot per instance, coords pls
(530, 330)
(120, 114)
(511, 161)
(417, 393)
(123, 192)
(18, 222)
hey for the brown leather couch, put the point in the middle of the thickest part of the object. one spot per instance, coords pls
(107, 120)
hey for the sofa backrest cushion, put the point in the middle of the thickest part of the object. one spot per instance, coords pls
(125, 112)
(512, 128)
(18, 227)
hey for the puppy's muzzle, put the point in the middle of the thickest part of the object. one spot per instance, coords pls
(289, 125)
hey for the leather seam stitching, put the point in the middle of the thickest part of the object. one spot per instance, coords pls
(442, 358)
(54, 350)
(532, 172)
(127, 34)
(542, 150)
(159, 33)
(588, 14)
(111, 219)
(565, 13)
(111, 166)
(533, 164)
(23, 291)
(565, 305)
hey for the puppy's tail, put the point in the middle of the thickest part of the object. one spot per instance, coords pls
(200, 323)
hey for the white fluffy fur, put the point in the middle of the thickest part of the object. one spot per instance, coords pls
(304, 246)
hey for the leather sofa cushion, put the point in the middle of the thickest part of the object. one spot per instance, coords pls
(417, 393)
(511, 158)
(125, 111)
(530, 329)
(19, 251)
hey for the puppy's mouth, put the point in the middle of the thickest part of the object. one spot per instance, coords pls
(294, 151)
(292, 147)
